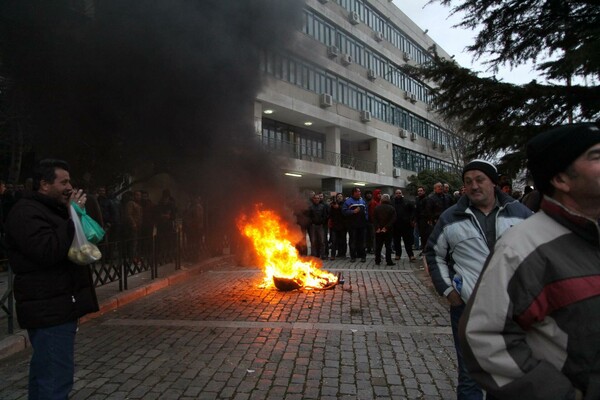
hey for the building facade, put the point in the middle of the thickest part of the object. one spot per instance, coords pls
(337, 108)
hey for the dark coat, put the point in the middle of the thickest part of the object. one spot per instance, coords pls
(384, 216)
(405, 213)
(49, 289)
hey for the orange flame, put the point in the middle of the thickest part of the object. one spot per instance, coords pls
(273, 245)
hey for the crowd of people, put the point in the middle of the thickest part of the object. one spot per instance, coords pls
(338, 226)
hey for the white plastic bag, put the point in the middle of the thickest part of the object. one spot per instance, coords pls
(82, 252)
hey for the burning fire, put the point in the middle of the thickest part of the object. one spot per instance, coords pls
(283, 266)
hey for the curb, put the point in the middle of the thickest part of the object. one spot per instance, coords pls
(19, 341)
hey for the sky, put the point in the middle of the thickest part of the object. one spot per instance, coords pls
(436, 19)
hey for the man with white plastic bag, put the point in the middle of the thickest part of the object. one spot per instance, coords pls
(51, 292)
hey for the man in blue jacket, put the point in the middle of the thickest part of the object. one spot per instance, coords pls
(51, 292)
(460, 243)
(355, 210)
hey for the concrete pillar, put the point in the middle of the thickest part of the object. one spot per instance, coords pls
(333, 145)
(331, 185)
(258, 110)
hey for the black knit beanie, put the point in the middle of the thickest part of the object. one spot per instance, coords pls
(484, 166)
(551, 152)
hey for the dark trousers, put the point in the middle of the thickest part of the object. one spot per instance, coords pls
(318, 242)
(338, 242)
(53, 361)
(369, 237)
(424, 231)
(357, 242)
(406, 235)
(381, 239)
(467, 388)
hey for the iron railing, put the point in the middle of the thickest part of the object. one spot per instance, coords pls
(123, 259)
(301, 152)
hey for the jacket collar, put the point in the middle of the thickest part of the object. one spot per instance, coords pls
(582, 226)
(53, 204)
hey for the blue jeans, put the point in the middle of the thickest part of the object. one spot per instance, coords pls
(52, 362)
(467, 388)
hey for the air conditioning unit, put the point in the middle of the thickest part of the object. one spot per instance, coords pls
(333, 51)
(402, 133)
(323, 1)
(371, 75)
(434, 145)
(346, 59)
(405, 56)
(396, 172)
(442, 147)
(379, 36)
(413, 98)
(365, 116)
(413, 136)
(430, 107)
(325, 100)
(354, 18)
(407, 95)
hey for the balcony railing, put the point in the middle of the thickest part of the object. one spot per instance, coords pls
(300, 152)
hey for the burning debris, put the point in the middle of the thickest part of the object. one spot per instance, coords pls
(283, 266)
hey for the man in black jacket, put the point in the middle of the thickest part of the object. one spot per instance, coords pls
(403, 227)
(51, 292)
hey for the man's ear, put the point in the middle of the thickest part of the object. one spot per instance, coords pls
(561, 182)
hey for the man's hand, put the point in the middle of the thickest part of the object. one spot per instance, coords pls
(454, 299)
(78, 197)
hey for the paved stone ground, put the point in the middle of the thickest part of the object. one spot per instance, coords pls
(384, 334)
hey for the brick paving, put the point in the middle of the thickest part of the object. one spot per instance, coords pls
(384, 334)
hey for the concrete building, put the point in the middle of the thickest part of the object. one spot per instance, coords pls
(338, 110)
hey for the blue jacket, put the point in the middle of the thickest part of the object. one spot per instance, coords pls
(358, 220)
(458, 245)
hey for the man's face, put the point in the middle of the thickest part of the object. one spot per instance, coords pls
(398, 194)
(438, 188)
(102, 192)
(368, 196)
(137, 196)
(356, 194)
(479, 188)
(60, 189)
(316, 199)
(339, 198)
(420, 192)
(446, 188)
(583, 176)
(378, 196)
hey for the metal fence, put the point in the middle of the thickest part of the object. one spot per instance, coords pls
(123, 259)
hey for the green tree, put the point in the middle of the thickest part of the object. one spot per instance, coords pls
(560, 37)
(427, 178)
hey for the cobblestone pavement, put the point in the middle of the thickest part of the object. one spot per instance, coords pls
(384, 334)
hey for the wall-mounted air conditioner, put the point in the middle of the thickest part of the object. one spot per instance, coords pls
(333, 51)
(405, 56)
(365, 116)
(371, 75)
(413, 98)
(434, 145)
(402, 133)
(323, 1)
(396, 172)
(354, 18)
(325, 100)
(430, 107)
(379, 36)
(413, 136)
(442, 147)
(346, 59)
(407, 95)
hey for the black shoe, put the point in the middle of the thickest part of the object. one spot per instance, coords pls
(353, 260)
(377, 263)
(390, 263)
(363, 260)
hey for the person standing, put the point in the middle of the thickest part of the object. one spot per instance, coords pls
(461, 241)
(338, 227)
(355, 210)
(531, 329)
(318, 214)
(384, 217)
(51, 292)
(403, 227)
(422, 217)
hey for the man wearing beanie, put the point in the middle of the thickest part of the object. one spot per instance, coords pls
(460, 243)
(531, 329)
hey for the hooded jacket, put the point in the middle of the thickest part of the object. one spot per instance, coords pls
(49, 289)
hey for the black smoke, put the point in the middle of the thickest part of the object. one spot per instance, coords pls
(169, 84)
